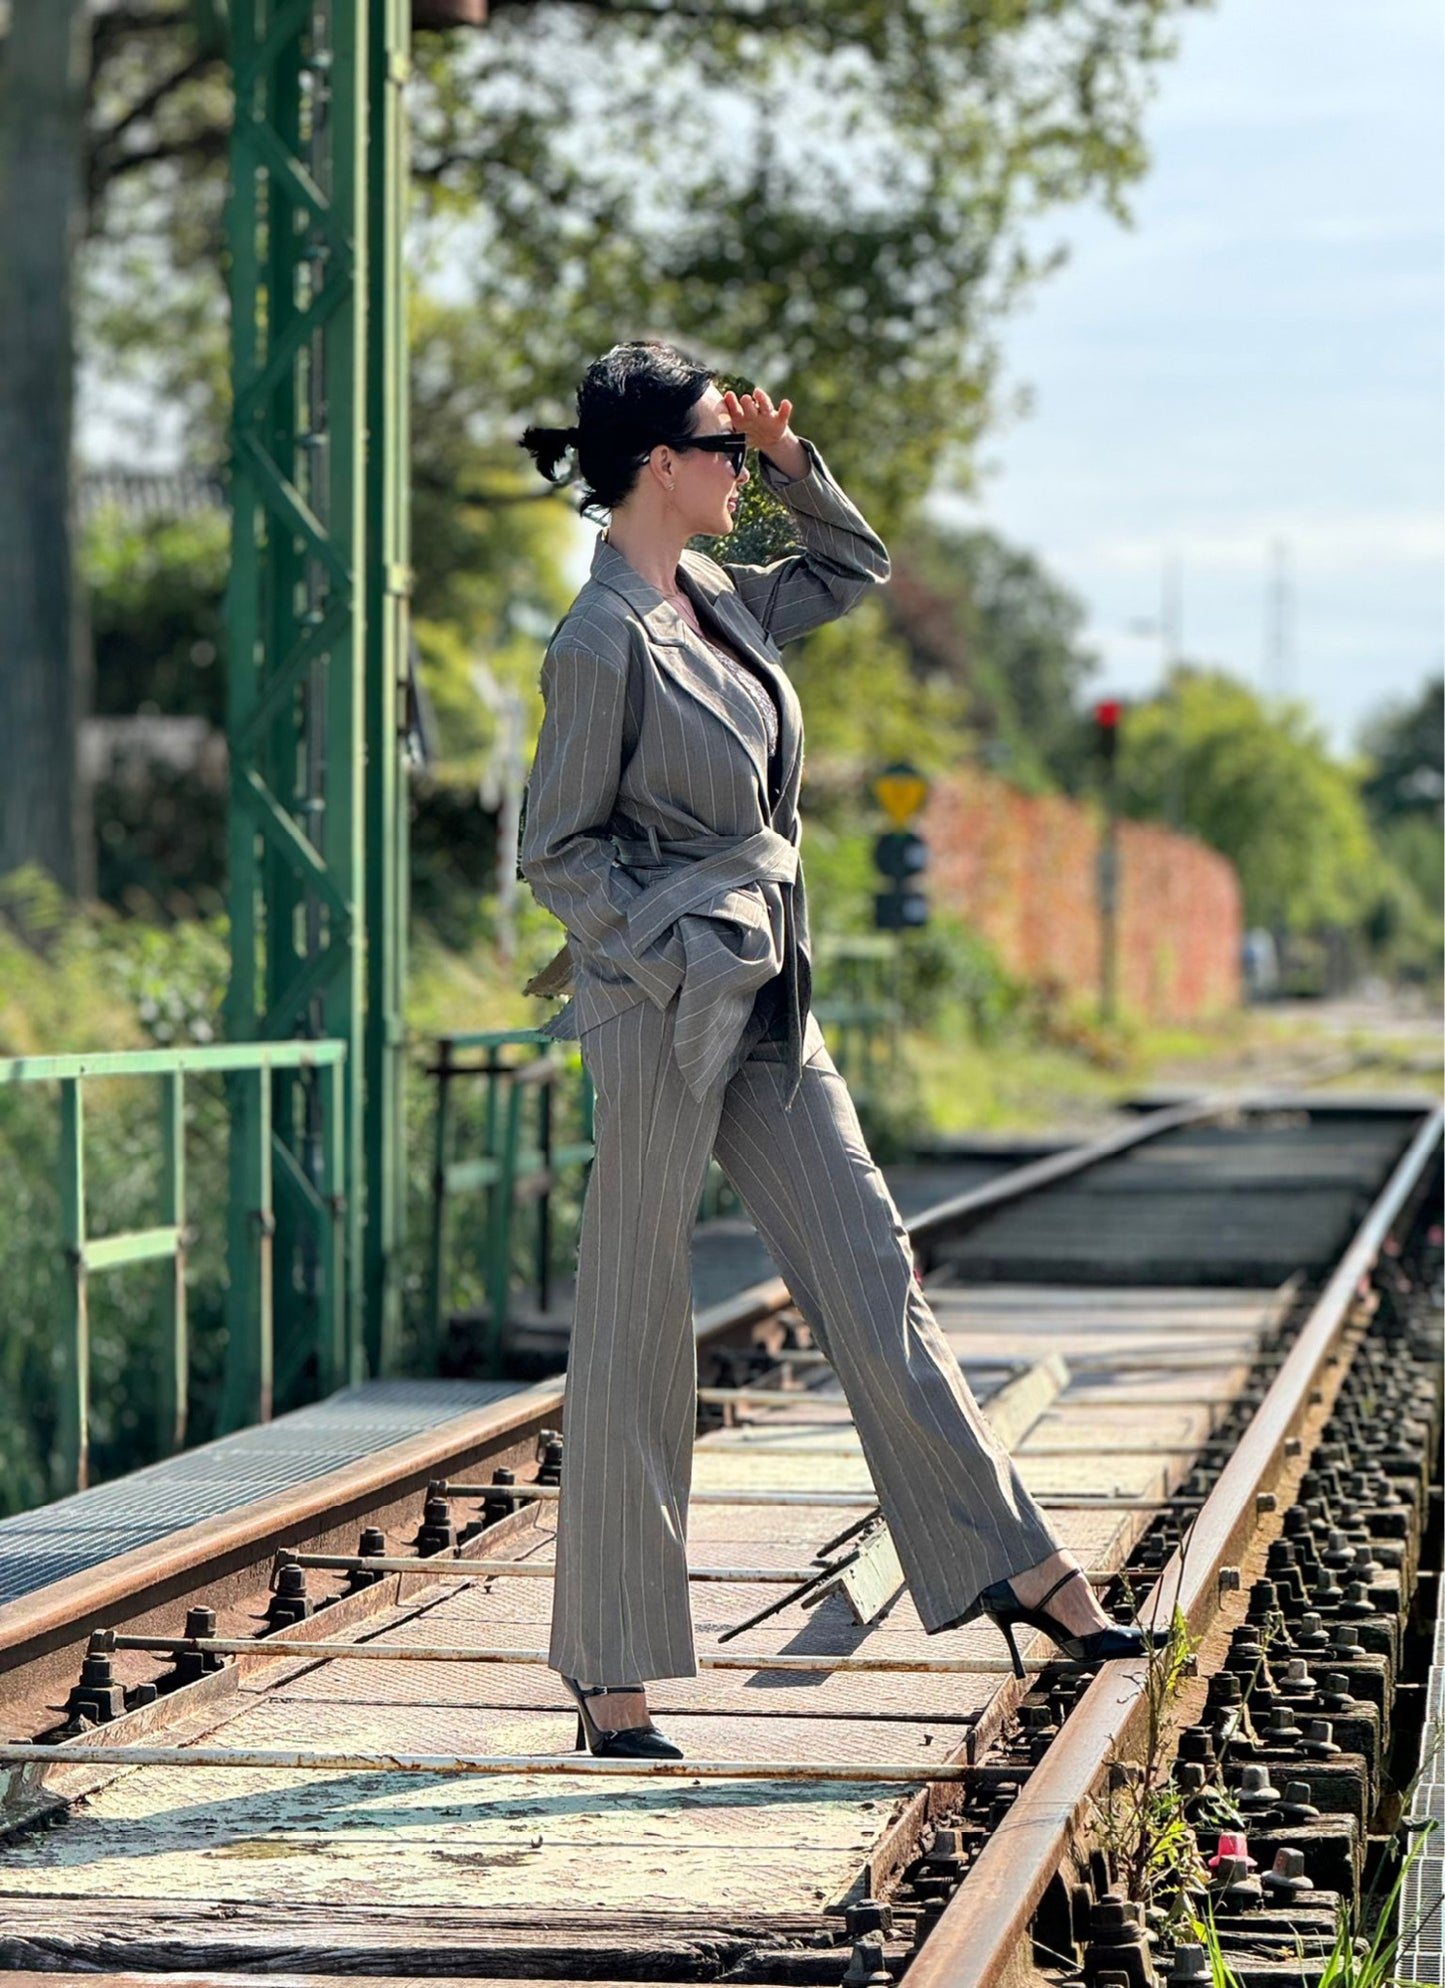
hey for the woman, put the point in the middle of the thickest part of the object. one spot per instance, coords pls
(662, 830)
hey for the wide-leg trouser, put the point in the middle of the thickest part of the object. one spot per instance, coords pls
(958, 1513)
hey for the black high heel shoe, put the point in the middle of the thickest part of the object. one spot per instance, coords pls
(631, 1743)
(1100, 1646)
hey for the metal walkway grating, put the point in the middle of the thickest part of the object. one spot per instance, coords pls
(1422, 1943)
(40, 1547)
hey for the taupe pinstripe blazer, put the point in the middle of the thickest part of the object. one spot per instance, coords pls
(647, 738)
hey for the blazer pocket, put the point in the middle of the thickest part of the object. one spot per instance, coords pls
(743, 919)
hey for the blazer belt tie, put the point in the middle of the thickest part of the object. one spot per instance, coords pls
(699, 866)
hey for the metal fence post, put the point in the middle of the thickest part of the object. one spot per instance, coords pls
(441, 1160)
(249, 1302)
(386, 460)
(174, 1356)
(499, 1228)
(544, 1199)
(339, 1343)
(73, 1439)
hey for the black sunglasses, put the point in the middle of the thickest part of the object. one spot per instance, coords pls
(734, 447)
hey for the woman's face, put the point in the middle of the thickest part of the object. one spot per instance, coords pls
(705, 490)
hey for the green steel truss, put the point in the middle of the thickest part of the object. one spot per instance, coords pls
(317, 626)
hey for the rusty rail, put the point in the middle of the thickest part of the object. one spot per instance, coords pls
(976, 1940)
(32, 1761)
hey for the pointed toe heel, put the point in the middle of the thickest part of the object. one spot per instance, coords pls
(1101, 1646)
(630, 1743)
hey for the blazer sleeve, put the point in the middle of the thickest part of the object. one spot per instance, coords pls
(566, 853)
(840, 556)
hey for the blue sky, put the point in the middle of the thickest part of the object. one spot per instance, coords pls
(1258, 359)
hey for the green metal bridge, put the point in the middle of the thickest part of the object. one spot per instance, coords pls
(317, 625)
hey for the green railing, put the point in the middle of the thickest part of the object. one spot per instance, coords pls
(249, 1304)
(516, 1164)
(859, 1011)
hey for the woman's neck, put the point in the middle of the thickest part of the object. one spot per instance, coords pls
(651, 546)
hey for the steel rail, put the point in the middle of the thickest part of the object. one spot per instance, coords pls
(134, 1582)
(33, 1760)
(468, 1653)
(435, 1568)
(980, 1930)
(54, 1622)
(843, 1500)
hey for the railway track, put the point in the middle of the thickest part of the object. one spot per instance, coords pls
(310, 1733)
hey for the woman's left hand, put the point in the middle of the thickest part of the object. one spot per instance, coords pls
(766, 427)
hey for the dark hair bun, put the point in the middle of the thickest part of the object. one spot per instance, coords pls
(630, 399)
(547, 446)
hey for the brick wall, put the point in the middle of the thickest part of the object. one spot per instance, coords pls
(1022, 868)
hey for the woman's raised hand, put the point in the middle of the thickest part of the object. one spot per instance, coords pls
(754, 415)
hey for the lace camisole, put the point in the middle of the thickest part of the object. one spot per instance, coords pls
(738, 670)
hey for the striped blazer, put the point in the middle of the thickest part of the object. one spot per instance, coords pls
(650, 829)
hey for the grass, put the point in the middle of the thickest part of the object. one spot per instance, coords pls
(1366, 1946)
(1029, 1080)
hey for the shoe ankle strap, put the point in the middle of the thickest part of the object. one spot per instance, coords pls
(1074, 1574)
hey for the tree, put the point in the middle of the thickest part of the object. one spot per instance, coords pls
(1406, 749)
(987, 617)
(90, 96)
(1404, 789)
(42, 107)
(831, 193)
(1257, 783)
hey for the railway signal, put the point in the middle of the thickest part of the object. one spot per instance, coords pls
(900, 853)
(1106, 731)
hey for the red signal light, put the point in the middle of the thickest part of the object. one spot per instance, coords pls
(1107, 714)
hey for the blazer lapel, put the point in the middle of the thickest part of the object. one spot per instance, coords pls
(685, 657)
(738, 628)
(676, 648)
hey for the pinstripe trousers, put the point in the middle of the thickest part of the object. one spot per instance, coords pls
(958, 1512)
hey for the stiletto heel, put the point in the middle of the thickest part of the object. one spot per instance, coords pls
(1006, 1625)
(1101, 1645)
(631, 1742)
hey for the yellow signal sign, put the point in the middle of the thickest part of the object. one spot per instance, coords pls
(900, 791)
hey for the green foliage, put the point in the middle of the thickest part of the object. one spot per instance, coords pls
(491, 545)
(948, 968)
(1366, 1946)
(865, 706)
(91, 980)
(836, 191)
(1257, 783)
(1403, 789)
(832, 191)
(1143, 1822)
(156, 589)
(1406, 747)
(986, 617)
(99, 982)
